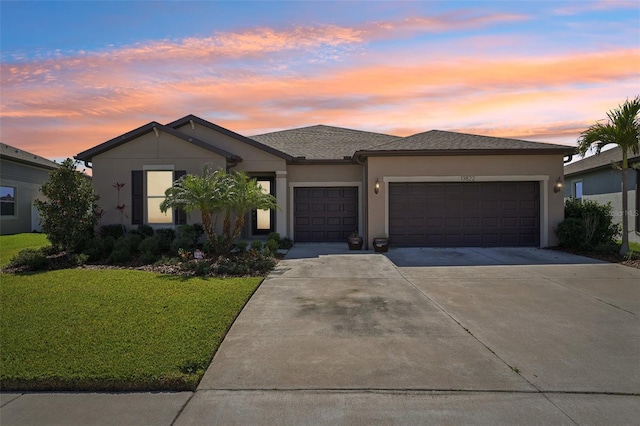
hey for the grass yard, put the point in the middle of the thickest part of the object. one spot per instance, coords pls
(10, 245)
(80, 329)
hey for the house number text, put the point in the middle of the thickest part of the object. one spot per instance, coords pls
(467, 178)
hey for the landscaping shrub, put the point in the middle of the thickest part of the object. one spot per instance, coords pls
(241, 246)
(587, 225)
(30, 259)
(191, 233)
(150, 246)
(285, 243)
(274, 236)
(182, 243)
(145, 231)
(124, 248)
(67, 209)
(256, 245)
(271, 247)
(98, 248)
(113, 231)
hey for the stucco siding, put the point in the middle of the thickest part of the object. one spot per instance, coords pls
(27, 181)
(543, 168)
(115, 166)
(325, 173)
(253, 159)
(615, 198)
(600, 182)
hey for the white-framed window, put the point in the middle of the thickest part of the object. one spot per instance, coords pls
(157, 182)
(7, 201)
(576, 190)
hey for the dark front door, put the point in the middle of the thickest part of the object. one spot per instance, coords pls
(325, 214)
(262, 221)
(466, 214)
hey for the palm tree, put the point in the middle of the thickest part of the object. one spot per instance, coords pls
(623, 129)
(206, 193)
(217, 191)
(244, 196)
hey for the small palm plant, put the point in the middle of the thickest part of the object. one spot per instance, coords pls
(623, 129)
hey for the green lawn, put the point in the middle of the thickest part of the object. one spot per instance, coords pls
(84, 329)
(10, 245)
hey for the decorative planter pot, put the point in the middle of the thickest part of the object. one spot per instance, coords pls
(380, 245)
(355, 243)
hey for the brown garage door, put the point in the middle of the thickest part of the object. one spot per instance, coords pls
(325, 214)
(469, 214)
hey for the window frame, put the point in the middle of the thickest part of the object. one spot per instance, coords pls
(12, 202)
(574, 183)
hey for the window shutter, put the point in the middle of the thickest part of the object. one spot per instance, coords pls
(137, 197)
(180, 216)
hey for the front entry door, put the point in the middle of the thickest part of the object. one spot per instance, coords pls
(262, 221)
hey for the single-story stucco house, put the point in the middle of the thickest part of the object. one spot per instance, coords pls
(438, 188)
(595, 178)
(21, 176)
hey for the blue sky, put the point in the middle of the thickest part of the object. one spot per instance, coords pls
(75, 74)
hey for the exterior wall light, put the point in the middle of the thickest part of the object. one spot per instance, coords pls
(376, 188)
(558, 186)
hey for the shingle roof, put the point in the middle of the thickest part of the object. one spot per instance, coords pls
(147, 128)
(322, 142)
(195, 119)
(438, 140)
(594, 162)
(12, 153)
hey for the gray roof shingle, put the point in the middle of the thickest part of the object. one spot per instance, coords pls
(594, 162)
(322, 142)
(438, 140)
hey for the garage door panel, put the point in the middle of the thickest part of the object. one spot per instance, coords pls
(325, 214)
(450, 214)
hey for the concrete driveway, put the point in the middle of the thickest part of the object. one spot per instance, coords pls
(473, 336)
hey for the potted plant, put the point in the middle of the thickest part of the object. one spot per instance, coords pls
(381, 243)
(355, 241)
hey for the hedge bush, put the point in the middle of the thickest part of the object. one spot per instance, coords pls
(587, 225)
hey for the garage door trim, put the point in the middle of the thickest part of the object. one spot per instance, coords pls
(293, 185)
(542, 179)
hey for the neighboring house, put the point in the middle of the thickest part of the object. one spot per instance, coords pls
(21, 176)
(596, 178)
(440, 189)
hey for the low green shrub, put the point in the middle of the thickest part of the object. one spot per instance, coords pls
(150, 245)
(285, 243)
(191, 233)
(30, 259)
(241, 246)
(274, 236)
(587, 225)
(98, 248)
(115, 231)
(256, 245)
(271, 247)
(79, 259)
(182, 243)
(145, 231)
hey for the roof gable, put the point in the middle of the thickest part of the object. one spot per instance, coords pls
(190, 119)
(12, 153)
(148, 128)
(322, 142)
(598, 161)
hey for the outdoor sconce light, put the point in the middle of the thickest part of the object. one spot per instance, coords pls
(558, 186)
(376, 188)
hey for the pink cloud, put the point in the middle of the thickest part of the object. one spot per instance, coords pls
(260, 80)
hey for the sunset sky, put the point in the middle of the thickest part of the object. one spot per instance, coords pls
(75, 74)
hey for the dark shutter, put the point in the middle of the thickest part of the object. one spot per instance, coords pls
(180, 216)
(137, 197)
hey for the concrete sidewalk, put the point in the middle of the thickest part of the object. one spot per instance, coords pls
(353, 339)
